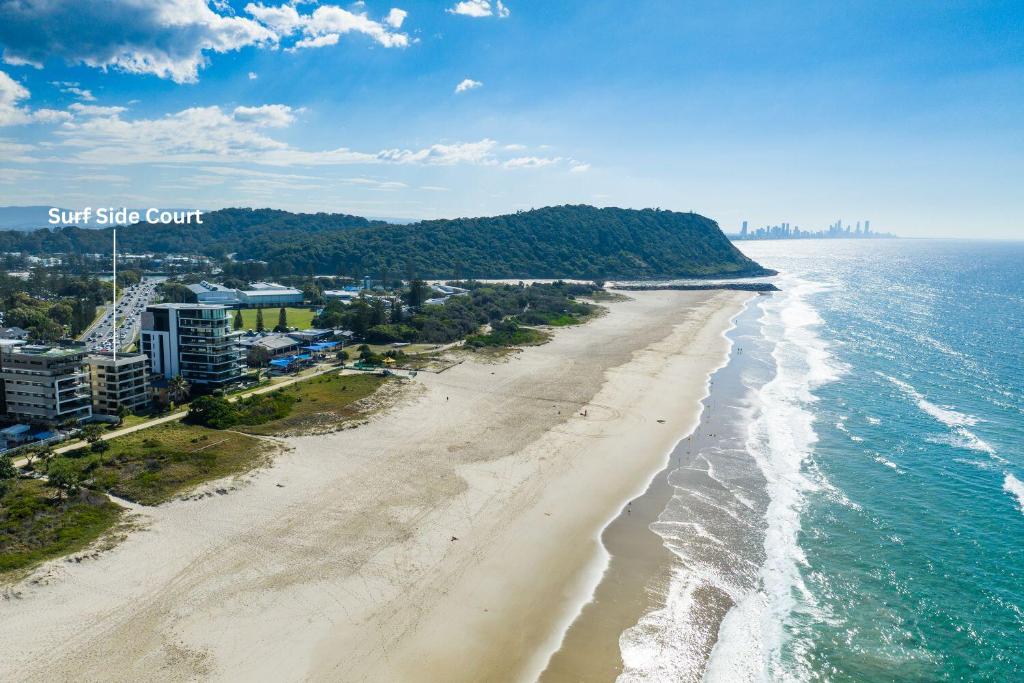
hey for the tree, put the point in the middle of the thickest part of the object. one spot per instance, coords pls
(64, 476)
(259, 320)
(418, 293)
(7, 468)
(282, 320)
(46, 455)
(123, 411)
(91, 432)
(238, 323)
(378, 313)
(212, 411)
(178, 388)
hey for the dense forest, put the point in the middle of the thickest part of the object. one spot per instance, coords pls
(562, 241)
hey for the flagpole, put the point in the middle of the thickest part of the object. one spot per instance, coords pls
(115, 298)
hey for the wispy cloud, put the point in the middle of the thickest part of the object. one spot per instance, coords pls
(467, 84)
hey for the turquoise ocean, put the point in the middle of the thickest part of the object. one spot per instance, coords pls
(855, 494)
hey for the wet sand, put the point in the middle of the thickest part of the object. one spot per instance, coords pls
(641, 568)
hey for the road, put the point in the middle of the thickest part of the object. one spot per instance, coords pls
(131, 303)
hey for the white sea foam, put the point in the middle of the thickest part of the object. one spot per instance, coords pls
(947, 416)
(1015, 488)
(960, 436)
(782, 437)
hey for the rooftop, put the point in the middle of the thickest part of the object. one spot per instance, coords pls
(45, 350)
(188, 307)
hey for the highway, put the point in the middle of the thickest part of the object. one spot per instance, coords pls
(130, 305)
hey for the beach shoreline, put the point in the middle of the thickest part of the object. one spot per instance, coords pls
(455, 537)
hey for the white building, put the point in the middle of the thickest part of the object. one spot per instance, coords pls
(259, 294)
(192, 340)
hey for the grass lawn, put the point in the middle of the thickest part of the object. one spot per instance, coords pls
(301, 318)
(156, 464)
(35, 526)
(316, 404)
(130, 421)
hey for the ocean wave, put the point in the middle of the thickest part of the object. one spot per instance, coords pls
(1015, 488)
(960, 436)
(947, 416)
(780, 439)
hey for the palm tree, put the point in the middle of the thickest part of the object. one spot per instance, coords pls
(178, 388)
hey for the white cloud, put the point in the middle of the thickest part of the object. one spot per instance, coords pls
(284, 19)
(95, 110)
(467, 84)
(171, 38)
(327, 23)
(11, 95)
(167, 39)
(253, 75)
(479, 9)
(16, 175)
(51, 116)
(72, 88)
(267, 115)
(531, 162)
(12, 111)
(396, 17)
(106, 136)
(578, 167)
(319, 41)
(16, 151)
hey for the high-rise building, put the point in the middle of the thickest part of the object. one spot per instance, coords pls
(743, 229)
(192, 340)
(120, 382)
(45, 384)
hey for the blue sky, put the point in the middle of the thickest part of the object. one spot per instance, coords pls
(908, 114)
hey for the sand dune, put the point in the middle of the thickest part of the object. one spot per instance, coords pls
(452, 538)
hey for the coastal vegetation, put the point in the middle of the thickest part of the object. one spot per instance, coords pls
(460, 316)
(38, 521)
(324, 401)
(154, 465)
(582, 242)
(507, 333)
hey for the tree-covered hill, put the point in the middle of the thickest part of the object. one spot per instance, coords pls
(560, 241)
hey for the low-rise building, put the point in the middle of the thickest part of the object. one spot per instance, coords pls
(120, 382)
(44, 384)
(259, 294)
(274, 345)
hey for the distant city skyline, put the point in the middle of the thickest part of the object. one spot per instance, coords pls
(787, 230)
(908, 112)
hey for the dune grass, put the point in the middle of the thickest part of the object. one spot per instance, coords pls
(322, 402)
(155, 465)
(36, 526)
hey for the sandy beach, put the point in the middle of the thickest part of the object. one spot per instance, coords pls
(452, 538)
